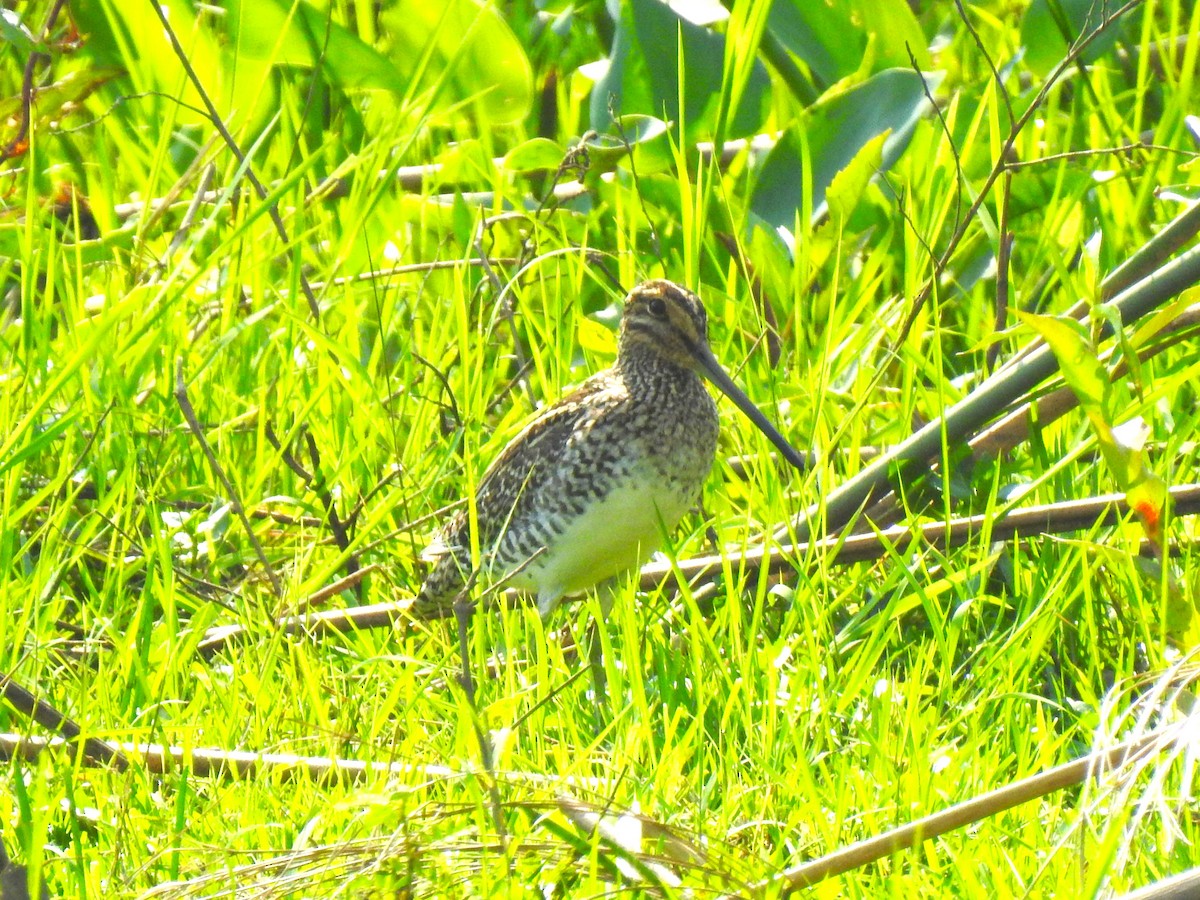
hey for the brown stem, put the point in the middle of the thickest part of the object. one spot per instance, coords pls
(51, 719)
(1048, 519)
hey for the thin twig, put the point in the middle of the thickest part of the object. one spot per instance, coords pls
(1000, 86)
(758, 562)
(14, 146)
(1003, 258)
(214, 116)
(320, 487)
(318, 597)
(655, 244)
(959, 177)
(185, 405)
(239, 765)
(908, 836)
(1018, 125)
(412, 268)
(1070, 155)
(207, 174)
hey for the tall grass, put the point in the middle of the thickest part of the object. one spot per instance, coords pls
(755, 721)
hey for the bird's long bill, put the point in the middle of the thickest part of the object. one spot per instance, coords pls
(713, 372)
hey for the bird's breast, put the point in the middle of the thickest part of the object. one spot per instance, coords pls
(629, 493)
(614, 531)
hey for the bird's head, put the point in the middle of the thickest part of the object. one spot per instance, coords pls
(667, 320)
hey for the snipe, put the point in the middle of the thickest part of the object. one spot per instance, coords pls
(593, 484)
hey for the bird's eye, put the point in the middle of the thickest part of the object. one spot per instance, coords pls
(658, 308)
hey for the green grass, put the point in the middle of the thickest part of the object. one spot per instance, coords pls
(764, 721)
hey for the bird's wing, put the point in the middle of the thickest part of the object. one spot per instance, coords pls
(520, 469)
(542, 452)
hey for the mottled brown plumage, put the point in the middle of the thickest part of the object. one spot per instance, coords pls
(592, 485)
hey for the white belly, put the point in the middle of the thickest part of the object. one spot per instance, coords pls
(612, 535)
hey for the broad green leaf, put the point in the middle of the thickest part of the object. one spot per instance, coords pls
(848, 185)
(816, 33)
(652, 50)
(462, 220)
(72, 88)
(282, 32)
(467, 162)
(116, 33)
(1120, 446)
(837, 129)
(536, 155)
(835, 39)
(1081, 366)
(462, 51)
(778, 196)
(1152, 324)
(1145, 492)
(644, 136)
(596, 338)
(15, 34)
(1182, 621)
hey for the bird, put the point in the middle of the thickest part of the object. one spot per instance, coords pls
(592, 486)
